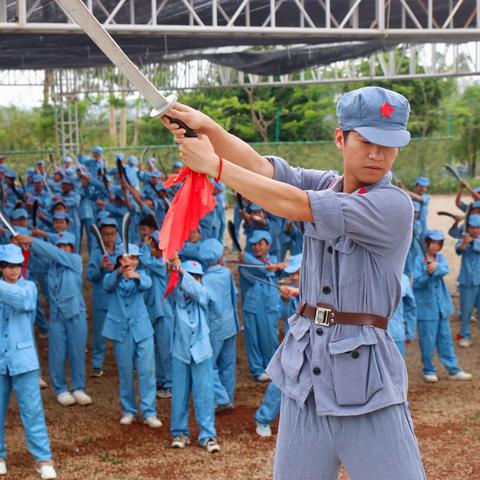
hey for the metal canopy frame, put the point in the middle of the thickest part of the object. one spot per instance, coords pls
(269, 18)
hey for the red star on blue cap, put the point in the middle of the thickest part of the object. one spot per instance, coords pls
(386, 110)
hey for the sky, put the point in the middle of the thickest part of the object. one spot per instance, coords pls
(25, 97)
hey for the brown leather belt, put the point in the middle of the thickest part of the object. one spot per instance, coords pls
(327, 316)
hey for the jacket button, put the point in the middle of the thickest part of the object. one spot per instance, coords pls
(316, 371)
(330, 249)
(319, 331)
(326, 290)
(355, 354)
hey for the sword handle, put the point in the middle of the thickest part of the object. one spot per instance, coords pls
(189, 133)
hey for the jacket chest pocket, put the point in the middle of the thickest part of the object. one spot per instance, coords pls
(349, 261)
(356, 376)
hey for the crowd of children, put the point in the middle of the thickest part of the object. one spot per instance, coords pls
(180, 340)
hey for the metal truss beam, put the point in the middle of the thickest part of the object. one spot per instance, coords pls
(309, 19)
(404, 63)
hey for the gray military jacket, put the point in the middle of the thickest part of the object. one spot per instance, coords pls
(353, 258)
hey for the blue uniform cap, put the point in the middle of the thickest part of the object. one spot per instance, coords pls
(19, 213)
(102, 214)
(474, 221)
(423, 181)
(212, 250)
(378, 114)
(10, 174)
(41, 162)
(11, 253)
(97, 149)
(259, 235)
(178, 163)
(65, 238)
(255, 208)
(435, 235)
(3, 168)
(30, 171)
(61, 216)
(133, 250)
(67, 159)
(417, 206)
(132, 160)
(159, 187)
(155, 174)
(294, 264)
(152, 160)
(120, 156)
(67, 181)
(192, 267)
(476, 204)
(37, 178)
(108, 222)
(156, 235)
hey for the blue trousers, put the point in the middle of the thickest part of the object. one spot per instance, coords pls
(85, 224)
(140, 356)
(99, 341)
(197, 380)
(27, 393)
(224, 365)
(469, 299)
(270, 406)
(261, 340)
(67, 339)
(162, 327)
(380, 445)
(435, 334)
(40, 318)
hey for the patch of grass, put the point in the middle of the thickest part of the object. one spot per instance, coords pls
(106, 456)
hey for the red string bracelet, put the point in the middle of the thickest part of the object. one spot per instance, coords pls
(219, 169)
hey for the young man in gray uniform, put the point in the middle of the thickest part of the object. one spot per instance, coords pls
(343, 381)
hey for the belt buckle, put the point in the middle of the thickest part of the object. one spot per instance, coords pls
(322, 316)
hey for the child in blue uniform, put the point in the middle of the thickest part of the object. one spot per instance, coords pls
(434, 307)
(289, 300)
(469, 279)
(192, 371)
(127, 323)
(260, 305)
(98, 266)
(159, 308)
(68, 322)
(223, 322)
(19, 367)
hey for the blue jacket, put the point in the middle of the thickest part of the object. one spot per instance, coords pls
(431, 294)
(222, 308)
(191, 334)
(18, 303)
(470, 270)
(403, 323)
(126, 307)
(156, 305)
(259, 294)
(64, 277)
(95, 274)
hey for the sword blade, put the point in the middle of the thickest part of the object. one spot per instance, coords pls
(79, 12)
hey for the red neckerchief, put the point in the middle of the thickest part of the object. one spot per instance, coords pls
(191, 203)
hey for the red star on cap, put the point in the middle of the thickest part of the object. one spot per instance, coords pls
(386, 110)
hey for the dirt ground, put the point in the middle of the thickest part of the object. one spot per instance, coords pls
(89, 443)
